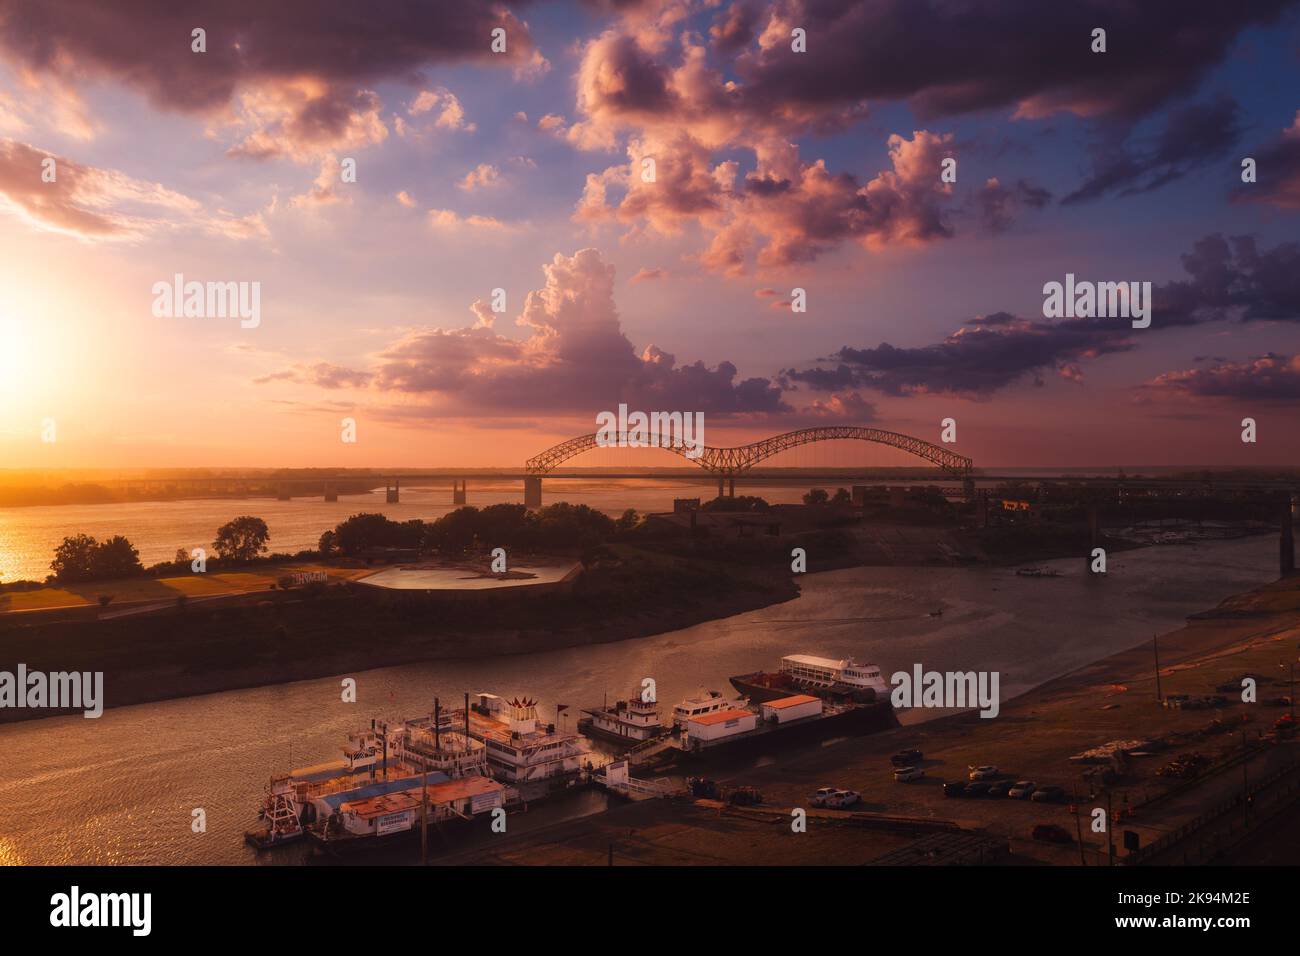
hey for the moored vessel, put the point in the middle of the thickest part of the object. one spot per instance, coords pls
(822, 677)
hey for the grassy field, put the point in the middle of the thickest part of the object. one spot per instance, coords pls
(161, 590)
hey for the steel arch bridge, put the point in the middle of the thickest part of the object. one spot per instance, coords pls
(730, 462)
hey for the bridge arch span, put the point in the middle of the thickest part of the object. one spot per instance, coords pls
(730, 462)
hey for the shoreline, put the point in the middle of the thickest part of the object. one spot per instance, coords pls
(177, 680)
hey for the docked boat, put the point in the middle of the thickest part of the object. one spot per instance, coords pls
(442, 767)
(699, 706)
(627, 721)
(766, 727)
(822, 677)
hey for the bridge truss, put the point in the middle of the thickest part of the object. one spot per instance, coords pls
(730, 462)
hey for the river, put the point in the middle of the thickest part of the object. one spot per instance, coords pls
(120, 789)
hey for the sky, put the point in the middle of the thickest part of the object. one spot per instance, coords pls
(639, 187)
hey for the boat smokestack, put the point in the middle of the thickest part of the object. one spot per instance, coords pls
(437, 713)
(467, 718)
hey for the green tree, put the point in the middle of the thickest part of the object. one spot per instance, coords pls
(327, 544)
(115, 558)
(628, 520)
(816, 496)
(241, 539)
(73, 557)
(841, 497)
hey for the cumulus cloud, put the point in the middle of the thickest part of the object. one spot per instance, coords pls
(785, 211)
(574, 359)
(482, 176)
(445, 108)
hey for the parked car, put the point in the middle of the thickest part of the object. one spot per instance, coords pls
(1051, 833)
(987, 772)
(907, 758)
(819, 798)
(1047, 794)
(954, 789)
(1022, 790)
(907, 774)
(978, 788)
(833, 798)
(1000, 788)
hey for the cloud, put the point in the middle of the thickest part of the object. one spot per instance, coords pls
(785, 212)
(998, 205)
(1229, 280)
(1192, 136)
(296, 72)
(983, 356)
(649, 275)
(1232, 279)
(447, 219)
(1277, 171)
(482, 176)
(1024, 55)
(1268, 378)
(445, 108)
(321, 374)
(96, 204)
(574, 359)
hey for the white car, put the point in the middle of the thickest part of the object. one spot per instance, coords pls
(907, 774)
(834, 799)
(987, 772)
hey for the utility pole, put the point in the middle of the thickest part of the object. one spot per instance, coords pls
(424, 818)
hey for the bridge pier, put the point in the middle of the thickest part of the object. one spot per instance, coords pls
(282, 492)
(458, 489)
(982, 510)
(533, 491)
(393, 492)
(331, 491)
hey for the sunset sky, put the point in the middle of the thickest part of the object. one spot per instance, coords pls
(521, 170)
